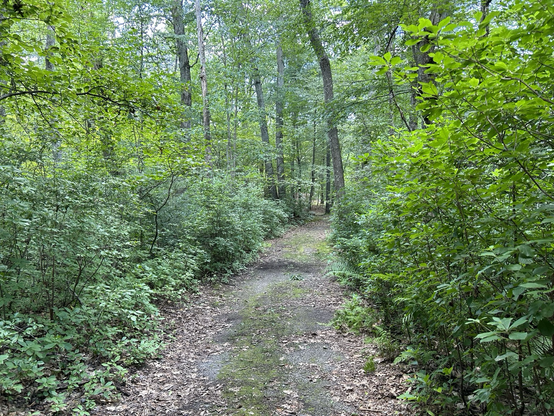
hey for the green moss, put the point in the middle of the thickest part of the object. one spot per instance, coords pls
(305, 248)
(252, 369)
(257, 362)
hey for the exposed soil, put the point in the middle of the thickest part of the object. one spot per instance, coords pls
(262, 345)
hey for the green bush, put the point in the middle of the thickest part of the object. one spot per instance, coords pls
(355, 316)
(48, 359)
(225, 219)
(456, 251)
(84, 257)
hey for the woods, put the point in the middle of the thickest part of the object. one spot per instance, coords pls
(149, 147)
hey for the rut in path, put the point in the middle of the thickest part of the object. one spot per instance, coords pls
(262, 346)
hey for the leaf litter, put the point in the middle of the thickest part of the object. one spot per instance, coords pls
(262, 345)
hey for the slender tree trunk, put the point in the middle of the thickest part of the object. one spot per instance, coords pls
(326, 74)
(485, 4)
(328, 180)
(299, 163)
(203, 82)
(50, 41)
(272, 190)
(3, 83)
(422, 59)
(292, 178)
(183, 59)
(293, 174)
(49, 66)
(228, 93)
(141, 67)
(279, 122)
(413, 113)
(235, 123)
(312, 184)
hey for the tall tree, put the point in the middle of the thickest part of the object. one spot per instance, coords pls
(272, 190)
(279, 121)
(177, 17)
(327, 76)
(50, 41)
(203, 80)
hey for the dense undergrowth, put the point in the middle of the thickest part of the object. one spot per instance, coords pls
(447, 235)
(85, 258)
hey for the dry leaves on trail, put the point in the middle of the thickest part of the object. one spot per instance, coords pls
(202, 339)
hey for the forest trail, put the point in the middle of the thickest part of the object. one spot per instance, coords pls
(262, 346)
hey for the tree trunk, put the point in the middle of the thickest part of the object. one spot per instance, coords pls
(203, 82)
(422, 59)
(328, 181)
(49, 66)
(312, 184)
(183, 59)
(485, 4)
(50, 41)
(279, 122)
(272, 190)
(326, 74)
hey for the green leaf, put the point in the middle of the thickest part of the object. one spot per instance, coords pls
(546, 362)
(518, 336)
(444, 22)
(532, 285)
(501, 323)
(526, 250)
(376, 61)
(429, 89)
(513, 267)
(546, 327)
(500, 66)
(519, 322)
(509, 354)
(423, 23)
(395, 61)
(488, 336)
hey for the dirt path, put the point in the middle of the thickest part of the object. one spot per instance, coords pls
(262, 346)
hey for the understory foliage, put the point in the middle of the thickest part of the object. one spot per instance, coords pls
(80, 270)
(108, 205)
(451, 239)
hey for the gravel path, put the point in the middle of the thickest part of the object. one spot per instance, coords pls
(262, 345)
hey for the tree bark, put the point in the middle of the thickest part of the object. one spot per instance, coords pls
(422, 60)
(183, 59)
(328, 201)
(312, 184)
(326, 74)
(279, 122)
(272, 190)
(485, 4)
(203, 82)
(50, 41)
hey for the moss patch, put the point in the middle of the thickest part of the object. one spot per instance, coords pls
(253, 377)
(305, 248)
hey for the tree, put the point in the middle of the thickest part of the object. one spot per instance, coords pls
(279, 121)
(177, 17)
(326, 74)
(203, 81)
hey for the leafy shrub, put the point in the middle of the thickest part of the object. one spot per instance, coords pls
(457, 249)
(43, 358)
(171, 274)
(354, 316)
(225, 219)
